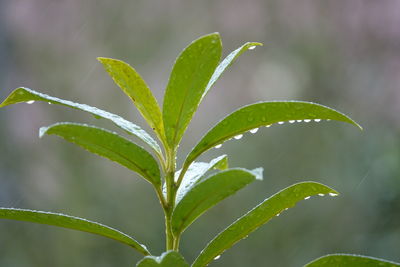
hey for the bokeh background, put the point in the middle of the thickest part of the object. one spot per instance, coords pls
(343, 54)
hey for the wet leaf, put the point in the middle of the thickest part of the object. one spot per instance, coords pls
(109, 145)
(227, 62)
(207, 193)
(189, 77)
(22, 94)
(258, 216)
(71, 222)
(345, 260)
(136, 88)
(263, 114)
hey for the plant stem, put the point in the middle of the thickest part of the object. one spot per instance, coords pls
(171, 191)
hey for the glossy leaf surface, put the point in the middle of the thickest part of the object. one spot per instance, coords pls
(22, 94)
(167, 259)
(227, 62)
(208, 193)
(136, 88)
(188, 80)
(71, 222)
(196, 171)
(108, 145)
(258, 216)
(345, 260)
(263, 114)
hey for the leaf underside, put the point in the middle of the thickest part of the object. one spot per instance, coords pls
(71, 222)
(207, 194)
(263, 114)
(258, 216)
(22, 94)
(344, 260)
(109, 145)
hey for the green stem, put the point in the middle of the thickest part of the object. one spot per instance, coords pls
(171, 191)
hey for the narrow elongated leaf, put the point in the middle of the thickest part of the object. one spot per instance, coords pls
(189, 78)
(109, 145)
(71, 222)
(344, 260)
(196, 171)
(167, 259)
(207, 194)
(263, 114)
(136, 88)
(258, 216)
(22, 94)
(227, 62)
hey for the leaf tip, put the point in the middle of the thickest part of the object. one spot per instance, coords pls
(42, 131)
(258, 173)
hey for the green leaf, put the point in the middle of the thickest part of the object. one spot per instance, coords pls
(109, 145)
(22, 94)
(167, 259)
(70, 222)
(258, 216)
(196, 171)
(136, 88)
(207, 194)
(187, 83)
(263, 114)
(344, 260)
(227, 62)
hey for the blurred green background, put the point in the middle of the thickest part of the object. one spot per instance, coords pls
(343, 54)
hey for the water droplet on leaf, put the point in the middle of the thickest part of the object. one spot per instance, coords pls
(307, 120)
(30, 102)
(281, 122)
(292, 121)
(321, 195)
(307, 198)
(217, 257)
(252, 47)
(333, 194)
(299, 120)
(237, 137)
(218, 146)
(317, 120)
(253, 131)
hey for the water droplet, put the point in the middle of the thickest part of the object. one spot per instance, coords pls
(328, 120)
(317, 120)
(307, 198)
(268, 126)
(321, 195)
(333, 194)
(217, 257)
(218, 146)
(299, 120)
(281, 122)
(277, 215)
(307, 120)
(252, 47)
(254, 130)
(30, 102)
(237, 137)
(292, 121)
(49, 103)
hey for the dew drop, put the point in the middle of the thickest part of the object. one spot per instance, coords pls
(317, 120)
(252, 47)
(307, 120)
(307, 198)
(30, 102)
(333, 194)
(277, 215)
(321, 195)
(253, 131)
(218, 146)
(217, 257)
(299, 120)
(281, 122)
(49, 103)
(237, 137)
(292, 121)
(268, 126)
(328, 120)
